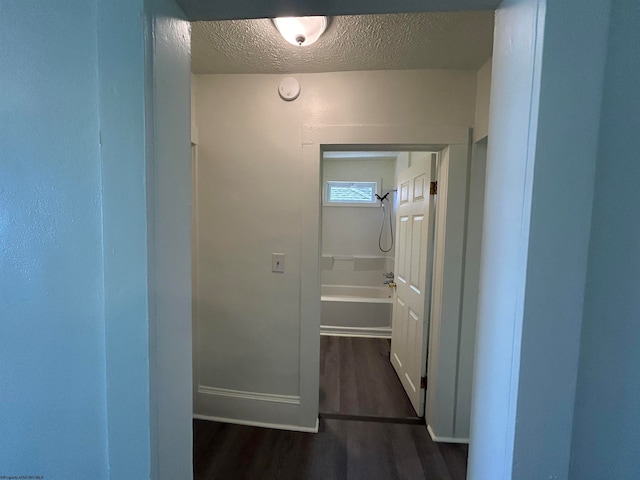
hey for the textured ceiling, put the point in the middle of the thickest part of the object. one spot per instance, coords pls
(360, 42)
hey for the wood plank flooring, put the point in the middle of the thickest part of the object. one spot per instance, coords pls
(342, 450)
(357, 378)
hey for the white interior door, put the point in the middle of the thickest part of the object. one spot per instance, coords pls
(414, 246)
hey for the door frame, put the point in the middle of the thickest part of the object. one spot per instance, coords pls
(317, 139)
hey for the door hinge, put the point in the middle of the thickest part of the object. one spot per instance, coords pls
(433, 188)
(423, 382)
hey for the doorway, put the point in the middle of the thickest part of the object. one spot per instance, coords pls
(358, 374)
(453, 142)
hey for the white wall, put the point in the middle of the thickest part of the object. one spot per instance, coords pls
(472, 252)
(250, 144)
(52, 281)
(169, 221)
(541, 156)
(483, 94)
(446, 300)
(91, 397)
(194, 126)
(471, 280)
(124, 82)
(606, 418)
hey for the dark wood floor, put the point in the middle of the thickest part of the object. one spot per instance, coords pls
(342, 450)
(357, 378)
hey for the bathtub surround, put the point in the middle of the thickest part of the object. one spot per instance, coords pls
(355, 230)
(355, 270)
(355, 300)
(352, 242)
(358, 311)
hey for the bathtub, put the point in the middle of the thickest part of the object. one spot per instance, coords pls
(356, 311)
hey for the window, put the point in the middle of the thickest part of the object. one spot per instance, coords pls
(338, 193)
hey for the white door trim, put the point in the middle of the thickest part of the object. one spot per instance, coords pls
(315, 139)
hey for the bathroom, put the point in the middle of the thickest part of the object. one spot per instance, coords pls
(358, 241)
(358, 344)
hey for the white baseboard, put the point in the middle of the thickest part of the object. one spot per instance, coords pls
(369, 332)
(263, 397)
(251, 408)
(250, 423)
(436, 438)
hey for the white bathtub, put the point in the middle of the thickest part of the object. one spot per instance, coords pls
(356, 311)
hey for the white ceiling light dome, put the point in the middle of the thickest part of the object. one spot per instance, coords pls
(301, 31)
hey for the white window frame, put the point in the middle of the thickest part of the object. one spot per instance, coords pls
(327, 203)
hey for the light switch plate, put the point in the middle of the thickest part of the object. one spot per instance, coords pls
(277, 262)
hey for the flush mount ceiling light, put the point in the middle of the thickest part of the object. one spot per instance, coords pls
(301, 31)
